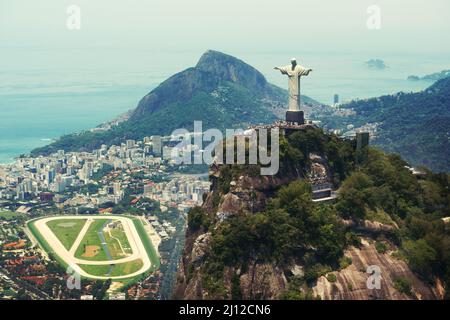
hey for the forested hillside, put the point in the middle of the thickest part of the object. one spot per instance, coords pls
(415, 125)
(264, 237)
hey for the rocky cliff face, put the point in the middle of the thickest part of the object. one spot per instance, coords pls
(243, 194)
(269, 281)
(229, 68)
(351, 282)
(179, 87)
(246, 194)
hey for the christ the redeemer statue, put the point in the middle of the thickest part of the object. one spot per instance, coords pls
(294, 72)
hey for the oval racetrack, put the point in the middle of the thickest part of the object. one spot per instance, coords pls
(138, 248)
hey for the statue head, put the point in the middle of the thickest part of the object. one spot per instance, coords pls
(294, 62)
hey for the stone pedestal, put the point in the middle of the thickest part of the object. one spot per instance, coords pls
(295, 116)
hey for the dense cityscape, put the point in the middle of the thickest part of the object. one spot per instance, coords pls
(135, 178)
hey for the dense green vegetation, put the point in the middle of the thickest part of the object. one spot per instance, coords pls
(89, 188)
(99, 289)
(291, 227)
(373, 186)
(294, 151)
(403, 285)
(9, 215)
(198, 219)
(105, 169)
(92, 239)
(117, 242)
(414, 125)
(115, 270)
(125, 207)
(416, 205)
(66, 230)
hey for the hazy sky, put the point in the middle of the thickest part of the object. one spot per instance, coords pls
(230, 24)
(233, 26)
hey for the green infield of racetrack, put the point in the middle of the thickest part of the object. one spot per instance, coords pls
(91, 238)
(117, 242)
(66, 230)
(9, 215)
(151, 252)
(116, 270)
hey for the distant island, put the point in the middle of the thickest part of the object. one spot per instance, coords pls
(376, 64)
(431, 77)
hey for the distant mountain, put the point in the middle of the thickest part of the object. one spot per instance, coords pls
(415, 125)
(221, 90)
(431, 77)
(376, 64)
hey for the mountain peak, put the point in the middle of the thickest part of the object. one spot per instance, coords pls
(221, 90)
(231, 69)
(213, 56)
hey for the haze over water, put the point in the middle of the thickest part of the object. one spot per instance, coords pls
(54, 81)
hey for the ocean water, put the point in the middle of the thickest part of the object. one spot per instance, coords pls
(31, 120)
(39, 104)
(347, 75)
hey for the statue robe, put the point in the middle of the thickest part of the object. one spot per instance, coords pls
(294, 75)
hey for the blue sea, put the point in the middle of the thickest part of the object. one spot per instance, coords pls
(39, 104)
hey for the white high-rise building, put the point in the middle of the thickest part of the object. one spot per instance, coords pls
(131, 144)
(117, 189)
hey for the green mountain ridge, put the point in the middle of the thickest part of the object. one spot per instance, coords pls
(415, 125)
(431, 77)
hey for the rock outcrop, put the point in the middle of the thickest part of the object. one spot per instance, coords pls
(237, 193)
(352, 282)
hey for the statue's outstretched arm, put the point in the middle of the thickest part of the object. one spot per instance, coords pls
(281, 70)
